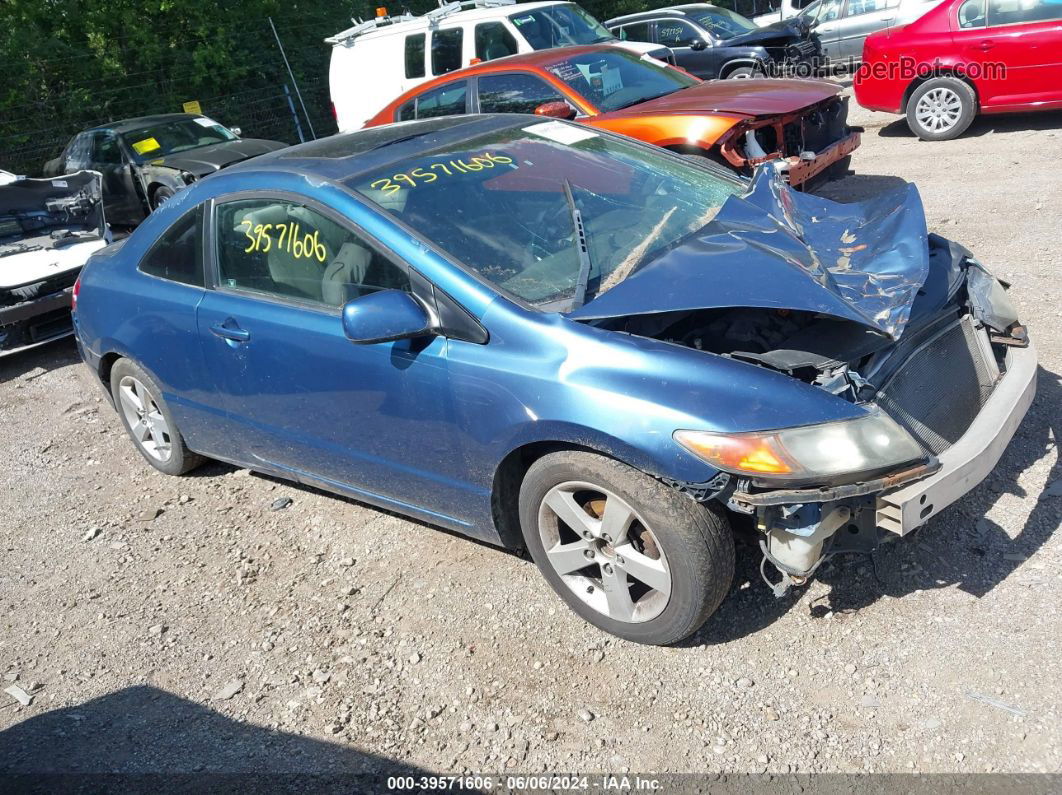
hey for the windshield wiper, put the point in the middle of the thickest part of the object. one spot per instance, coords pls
(581, 248)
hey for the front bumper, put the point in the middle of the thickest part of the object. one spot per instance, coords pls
(35, 322)
(967, 462)
(797, 171)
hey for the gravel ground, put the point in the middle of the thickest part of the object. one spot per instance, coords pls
(163, 624)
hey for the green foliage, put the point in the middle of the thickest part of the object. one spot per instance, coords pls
(72, 64)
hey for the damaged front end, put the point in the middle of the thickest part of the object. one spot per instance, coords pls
(800, 145)
(48, 229)
(857, 300)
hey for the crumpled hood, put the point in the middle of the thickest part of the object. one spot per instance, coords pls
(776, 248)
(791, 29)
(750, 98)
(208, 159)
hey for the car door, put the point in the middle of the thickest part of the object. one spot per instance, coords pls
(1017, 47)
(302, 398)
(121, 200)
(690, 46)
(859, 19)
(514, 92)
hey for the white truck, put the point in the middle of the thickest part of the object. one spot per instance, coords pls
(376, 60)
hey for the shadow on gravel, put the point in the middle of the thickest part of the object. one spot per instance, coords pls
(960, 547)
(143, 739)
(37, 361)
(985, 124)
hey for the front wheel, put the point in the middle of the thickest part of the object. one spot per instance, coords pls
(629, 554)
(941, 109)
(743, 73)
(161, 195)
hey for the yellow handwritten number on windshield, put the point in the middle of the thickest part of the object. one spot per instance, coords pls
(445, 168)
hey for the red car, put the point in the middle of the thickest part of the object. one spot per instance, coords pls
(799, 125)
(962, 58)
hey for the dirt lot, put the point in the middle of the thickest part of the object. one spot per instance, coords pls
(164, 624)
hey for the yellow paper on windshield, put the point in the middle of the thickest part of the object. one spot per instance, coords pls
(145, 146)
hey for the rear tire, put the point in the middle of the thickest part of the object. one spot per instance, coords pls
(657, 563)
(941, 109)
(148, 421)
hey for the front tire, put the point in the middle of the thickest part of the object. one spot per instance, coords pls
(161, 195)
(630, 555)
(148, 421)
(941, 109)
(743, 73)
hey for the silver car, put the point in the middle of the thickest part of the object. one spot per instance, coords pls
(843, 25)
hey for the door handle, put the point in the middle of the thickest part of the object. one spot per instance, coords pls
(230, 331)
(986, 45)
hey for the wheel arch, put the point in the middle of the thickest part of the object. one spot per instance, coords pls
(737, 63)
(939, 71)
(510, 471)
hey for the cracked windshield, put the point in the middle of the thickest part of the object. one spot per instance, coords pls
(518, 203)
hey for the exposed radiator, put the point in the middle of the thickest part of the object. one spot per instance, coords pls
(942, 386)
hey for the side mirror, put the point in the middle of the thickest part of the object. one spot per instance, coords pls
(236, 131)
(385, 316)
(698, 44)
(556, 110)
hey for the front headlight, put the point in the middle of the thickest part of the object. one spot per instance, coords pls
(871, 442)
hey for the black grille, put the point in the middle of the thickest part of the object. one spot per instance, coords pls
(941, 388)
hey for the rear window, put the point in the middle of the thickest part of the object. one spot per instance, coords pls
(446, 50)
(615, 79)
(415, 55)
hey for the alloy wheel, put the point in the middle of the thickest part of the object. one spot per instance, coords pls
(604, 552)
(147, 425)
(938, 110)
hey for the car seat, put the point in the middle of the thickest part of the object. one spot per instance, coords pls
(298, 276)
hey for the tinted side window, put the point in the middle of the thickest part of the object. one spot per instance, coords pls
(639, 31)
(675, 33)
(446, 50)
(407, 112)
(515, 93)
(415, 55)
(1012, 12)
(448, 100)
(284, 248)
(105, 149)
(493, 40)
(178, 254)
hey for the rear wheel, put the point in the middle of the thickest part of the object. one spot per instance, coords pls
(941, 109)
(630, 555)
(148, 421)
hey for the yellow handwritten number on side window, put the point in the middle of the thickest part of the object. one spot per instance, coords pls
(290, 238)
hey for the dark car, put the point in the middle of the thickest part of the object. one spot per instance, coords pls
(712, 42)
(145, 161)
(547, 336)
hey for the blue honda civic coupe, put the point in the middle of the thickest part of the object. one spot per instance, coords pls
(561, 340)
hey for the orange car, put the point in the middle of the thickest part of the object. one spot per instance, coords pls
(799, 124)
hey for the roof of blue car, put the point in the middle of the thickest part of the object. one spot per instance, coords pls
(348, 156)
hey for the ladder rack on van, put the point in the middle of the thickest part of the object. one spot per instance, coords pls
(444, 10)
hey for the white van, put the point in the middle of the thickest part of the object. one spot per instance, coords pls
(375, 61)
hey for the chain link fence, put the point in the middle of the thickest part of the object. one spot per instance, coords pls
(34, 136)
